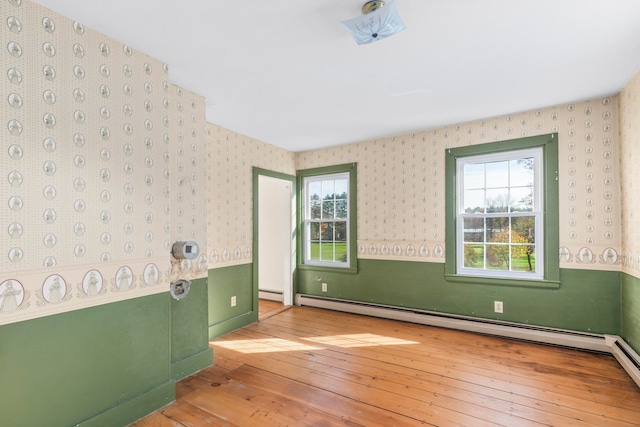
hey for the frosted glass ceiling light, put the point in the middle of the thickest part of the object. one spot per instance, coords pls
(379, 20)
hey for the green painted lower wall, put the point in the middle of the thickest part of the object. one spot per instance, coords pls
(225, 283)
(86, 367)
(587, 300)
(631, 311)
(190, 351)
(107, 365)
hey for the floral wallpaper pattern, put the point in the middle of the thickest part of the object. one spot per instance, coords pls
(107, 163)
(629, 100)
(85, 166)
(401, 183)
(186, 196)
(230, 161)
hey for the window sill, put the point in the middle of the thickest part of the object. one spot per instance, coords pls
(501, 281)
(345, 270)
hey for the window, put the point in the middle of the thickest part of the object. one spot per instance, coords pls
(499, 214)
(502, 215)
(328, 212)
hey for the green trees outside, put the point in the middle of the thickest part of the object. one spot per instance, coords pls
(329, 227)
(510, 241)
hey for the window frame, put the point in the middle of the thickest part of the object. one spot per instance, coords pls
(537, 212)
(315, 174)
(309, 221)
(549, 192)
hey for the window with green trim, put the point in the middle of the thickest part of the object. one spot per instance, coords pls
(502, 211)
(500, 214)
(327, 209)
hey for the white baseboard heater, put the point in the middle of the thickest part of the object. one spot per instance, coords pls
(612, 344)
(271, 295)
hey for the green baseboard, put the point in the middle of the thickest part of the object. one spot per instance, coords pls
(232, 324)
(138, 407)
(586, 300)
(192, 364)
(631, 310)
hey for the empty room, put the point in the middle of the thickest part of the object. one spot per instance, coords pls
(298, 213)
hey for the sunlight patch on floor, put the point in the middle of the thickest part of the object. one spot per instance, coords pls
(264, 345)
(271, 345)
(359, 340)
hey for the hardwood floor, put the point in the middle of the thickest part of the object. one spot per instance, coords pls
(268, 308)
(306, 366)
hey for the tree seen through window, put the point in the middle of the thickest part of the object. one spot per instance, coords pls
(498, 210)
(328, 215)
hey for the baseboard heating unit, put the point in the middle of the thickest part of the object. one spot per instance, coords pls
(271, 295)
(612, 344)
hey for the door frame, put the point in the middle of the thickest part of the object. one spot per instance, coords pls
(257, 172)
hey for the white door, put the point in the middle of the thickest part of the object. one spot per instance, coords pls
(274, 239)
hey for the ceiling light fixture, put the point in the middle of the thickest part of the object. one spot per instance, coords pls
(379, 20)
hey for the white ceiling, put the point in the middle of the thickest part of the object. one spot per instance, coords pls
(287, 73)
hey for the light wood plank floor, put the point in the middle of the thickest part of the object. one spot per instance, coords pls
(268, 308)
(312, 367)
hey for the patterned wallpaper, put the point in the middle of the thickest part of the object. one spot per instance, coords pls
(230, 161)
(629, 101)
(401, 183)
(107, 164)
(186, 196)
(81, 143)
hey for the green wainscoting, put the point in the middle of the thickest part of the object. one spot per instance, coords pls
(107, 365)
(225, 283)
(190, 351)
(631, 311)
(102, 366)
(586, 301)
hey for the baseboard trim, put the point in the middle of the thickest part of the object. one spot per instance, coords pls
(228, 325)
(192, 364)
(626, 356)
(271, 295)
(615, 345)
(132, 410)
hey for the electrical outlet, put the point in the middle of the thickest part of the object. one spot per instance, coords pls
(324, 287)
(498, 306)
(233, 301)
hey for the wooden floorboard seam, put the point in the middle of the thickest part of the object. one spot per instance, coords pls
(306, 366)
